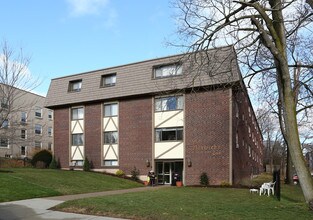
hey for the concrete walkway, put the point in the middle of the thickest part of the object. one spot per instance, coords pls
(38, 209)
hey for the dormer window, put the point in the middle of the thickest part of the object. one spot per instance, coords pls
(168, 70)
(75, 86)
(108, 80)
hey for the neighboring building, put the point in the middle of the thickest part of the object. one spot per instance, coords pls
(26, 125)
(309, 156)
(172, 114)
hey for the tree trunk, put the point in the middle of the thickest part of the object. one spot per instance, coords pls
(290, 168)
(289, 105)
(293, 140)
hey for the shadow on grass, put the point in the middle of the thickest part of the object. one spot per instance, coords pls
(6, 171)
(289, 199)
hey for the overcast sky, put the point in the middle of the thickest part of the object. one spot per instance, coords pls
(65, 37)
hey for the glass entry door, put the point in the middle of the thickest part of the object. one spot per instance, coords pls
(165, 170)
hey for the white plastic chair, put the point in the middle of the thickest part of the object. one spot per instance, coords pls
(267, 188)
(271, 188)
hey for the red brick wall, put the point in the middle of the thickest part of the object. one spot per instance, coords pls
(135, 134)
(207, 136)
(244, 165)
(61, 136)
(93, 134)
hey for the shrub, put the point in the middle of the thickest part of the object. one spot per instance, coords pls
(225, 184)
(204, 179)
(134, 174)
(119, 173)
(87, 165)
(44, 156)
(14, 163)
(53, 164)
(41, 165)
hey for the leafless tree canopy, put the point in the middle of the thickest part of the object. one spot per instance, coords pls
(14, 77)
(248, 25)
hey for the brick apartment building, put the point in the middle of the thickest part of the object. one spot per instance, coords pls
(186, 114)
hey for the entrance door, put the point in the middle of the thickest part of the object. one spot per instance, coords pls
(165, 170)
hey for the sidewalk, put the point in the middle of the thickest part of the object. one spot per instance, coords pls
(37, 209)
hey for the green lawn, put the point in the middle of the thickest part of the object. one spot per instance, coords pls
(195, 203)
(24, 183)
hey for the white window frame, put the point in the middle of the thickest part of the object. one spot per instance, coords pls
(23, 117)
(50, 146)
(36, 144)
(110, 109)
(25, 151)
(113, 137)
(4, 103)
(50, 131)
(75, 85)
(25, 134)
(110, 163)
(108, 80)
(50, 114)
(168, 70)
(159, 134)
(38, 112)
(5, 140)
(36, 129)
(167, 103)
(74, 140)
(79, 115)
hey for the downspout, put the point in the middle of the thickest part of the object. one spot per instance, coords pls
(230, 136)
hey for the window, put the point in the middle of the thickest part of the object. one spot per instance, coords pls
(38, 145)
(77, 139)
(23, 117)
(110, 110)
(249, 130)
(5, 123)
(38, 129)
(75, 86)
(77, 162)
(110, 137)
(77, 113)
(168, 134)
(4, 143)
(237, 110)
(169, 103)
(50, 131)
(49, 146)
(50, 114)
(237, 140)
(23, 151)
(4, 103)
(108, 80)
(168, 71)
(38, 112)
(24, 134)
(110, 163)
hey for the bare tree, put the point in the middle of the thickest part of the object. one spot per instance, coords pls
(271, 40)
(274, 151)
(15, 79)
(267, 93)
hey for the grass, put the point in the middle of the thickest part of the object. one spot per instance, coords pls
(195, 203)
(25, 183)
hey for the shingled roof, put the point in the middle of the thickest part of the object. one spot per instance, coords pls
(214, 66)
